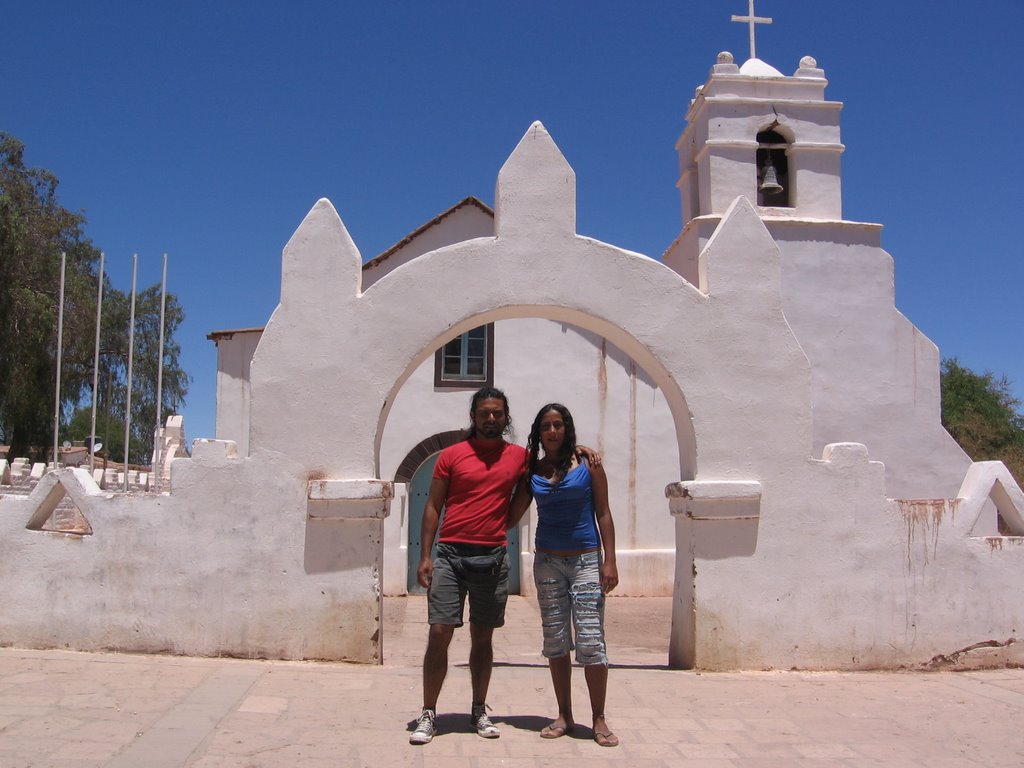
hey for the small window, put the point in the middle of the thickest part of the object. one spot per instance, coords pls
(466, 360)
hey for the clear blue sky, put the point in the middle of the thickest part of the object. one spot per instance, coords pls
(207, 131)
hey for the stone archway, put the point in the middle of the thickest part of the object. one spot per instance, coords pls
(424, 449)
(618, 410)
(734, 377)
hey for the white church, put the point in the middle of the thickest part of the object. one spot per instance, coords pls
(752, 132)
(770, 422)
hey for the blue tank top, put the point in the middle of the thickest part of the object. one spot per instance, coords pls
(565, 513)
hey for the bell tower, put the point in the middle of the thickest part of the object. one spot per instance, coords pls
(751, 128)
(755, 132)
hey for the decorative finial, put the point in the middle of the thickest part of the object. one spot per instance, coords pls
(750, 19)
(725, 58)
(809, 69)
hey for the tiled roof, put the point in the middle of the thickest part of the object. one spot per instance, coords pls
(420, 230)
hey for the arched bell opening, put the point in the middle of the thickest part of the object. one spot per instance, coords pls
(773, 187)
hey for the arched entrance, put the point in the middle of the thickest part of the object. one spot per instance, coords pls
(335, 355)
(419, 489)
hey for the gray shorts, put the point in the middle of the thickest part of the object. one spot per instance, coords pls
(461, 569)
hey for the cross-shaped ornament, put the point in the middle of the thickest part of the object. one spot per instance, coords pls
(750, 19)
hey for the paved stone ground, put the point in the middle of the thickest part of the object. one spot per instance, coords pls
(62, 709)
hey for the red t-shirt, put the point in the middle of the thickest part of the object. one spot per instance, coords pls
(480, 478)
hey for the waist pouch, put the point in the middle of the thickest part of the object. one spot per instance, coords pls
(476, 563)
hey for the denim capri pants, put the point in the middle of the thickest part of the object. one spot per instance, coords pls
(571, 604)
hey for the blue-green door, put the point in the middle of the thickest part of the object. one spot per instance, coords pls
(419, 489)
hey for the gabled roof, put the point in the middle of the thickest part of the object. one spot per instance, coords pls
(420, 230)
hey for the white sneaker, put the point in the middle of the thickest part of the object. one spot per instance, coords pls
(482, 723)
(425, 729)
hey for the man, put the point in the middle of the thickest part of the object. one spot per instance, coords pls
(473, 482)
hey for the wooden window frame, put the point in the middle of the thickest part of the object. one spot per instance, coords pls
(487, 380)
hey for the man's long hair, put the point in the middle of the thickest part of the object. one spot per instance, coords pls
(563, 461)
(486, 393)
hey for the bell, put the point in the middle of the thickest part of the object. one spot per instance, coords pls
(770, 184)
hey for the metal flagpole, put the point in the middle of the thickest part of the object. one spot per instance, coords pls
(96, 370)
(158, 469)
(60, 343)
(131, 353)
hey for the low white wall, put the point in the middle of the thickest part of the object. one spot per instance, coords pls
(229, 564)
(833, 575)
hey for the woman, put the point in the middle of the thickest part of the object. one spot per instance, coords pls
(574, 526)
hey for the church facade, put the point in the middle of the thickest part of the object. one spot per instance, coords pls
(874, 377)
(762, 228)
(770, 423)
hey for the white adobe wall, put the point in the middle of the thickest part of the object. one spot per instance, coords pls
(745, 411)
(813, 564)
(618, 408)
(234, 561)
(846, 578)
(234, 357)
(875, 376)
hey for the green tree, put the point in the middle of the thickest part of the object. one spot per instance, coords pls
(34, 230)
(113, 372)
(983, 416)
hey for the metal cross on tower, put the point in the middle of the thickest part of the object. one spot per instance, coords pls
(750, 19)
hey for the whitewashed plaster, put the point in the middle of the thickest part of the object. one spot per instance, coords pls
(522, 251)
(235, 349)
(844, 577)
(619, 410)
(233, 561)
(875, 376)
(534, 232)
